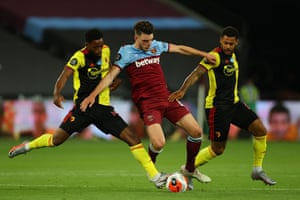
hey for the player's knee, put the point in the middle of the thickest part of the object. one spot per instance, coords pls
(59, 137)
(129, 137)
(197, 133)
(218, 150)
(257, 128)
(158, 145)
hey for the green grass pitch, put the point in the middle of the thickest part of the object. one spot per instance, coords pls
(97, 169)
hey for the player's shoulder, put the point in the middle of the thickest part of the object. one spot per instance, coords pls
(127, 49)
(159, 43)
(79, 53)
(127, 46)
(216, 50)
(82, 51)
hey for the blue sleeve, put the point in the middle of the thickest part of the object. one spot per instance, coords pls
(123, 58)
(160, 46)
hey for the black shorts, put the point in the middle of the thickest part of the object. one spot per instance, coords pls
(221, 116)
(103, 117)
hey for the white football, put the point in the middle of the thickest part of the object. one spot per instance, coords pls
(176, 182)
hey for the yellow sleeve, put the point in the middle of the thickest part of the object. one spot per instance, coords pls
(208, 65)
(76, 61)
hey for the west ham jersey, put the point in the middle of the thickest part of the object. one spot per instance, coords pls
(144, 70)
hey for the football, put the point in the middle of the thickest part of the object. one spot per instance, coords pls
(176, 182)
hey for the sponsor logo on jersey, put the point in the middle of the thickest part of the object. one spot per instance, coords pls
(229, 70)
(147, 61)
(94, 73)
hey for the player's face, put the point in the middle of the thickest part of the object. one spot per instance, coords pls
(228, 44)
(143, 41)
(95, 46)
(279, 123)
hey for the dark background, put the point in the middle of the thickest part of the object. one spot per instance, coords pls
(271, 33)
(268, 44)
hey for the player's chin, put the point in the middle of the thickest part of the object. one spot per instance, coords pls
(227, 52)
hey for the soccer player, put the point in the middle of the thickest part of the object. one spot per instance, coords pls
(223, 105)
(141, 60)
(88, 66)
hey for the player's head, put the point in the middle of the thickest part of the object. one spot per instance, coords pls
(229, 39)
(279, 119)
(94, 41)
(143, 35)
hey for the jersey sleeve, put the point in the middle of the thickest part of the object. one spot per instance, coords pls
(123, 58)
(162, 46)
(208, 65)
(76, 61)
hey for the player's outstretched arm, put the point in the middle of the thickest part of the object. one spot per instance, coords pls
(187, 83)
(187, 50)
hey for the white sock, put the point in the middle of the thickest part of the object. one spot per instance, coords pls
(257, 169)
(156, 177)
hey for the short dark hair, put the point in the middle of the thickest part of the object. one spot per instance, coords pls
(230, 31)
(143, 27)
(279, 108)
(93, 34)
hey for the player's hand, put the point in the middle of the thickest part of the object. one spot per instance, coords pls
(115, 84)
(211, 58)
(176, 95)
(87, 102)
(58, 99)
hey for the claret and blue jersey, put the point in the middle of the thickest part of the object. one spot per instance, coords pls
(144, 70)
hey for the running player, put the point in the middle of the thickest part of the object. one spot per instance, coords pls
(141, 60)
(223, 105)
(88, 66)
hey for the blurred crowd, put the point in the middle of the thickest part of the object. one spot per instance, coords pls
(34, 121)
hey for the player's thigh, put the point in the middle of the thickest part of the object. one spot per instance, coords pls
(75, 121)
(218, 119)
(156, 135)
(243, 116)
(190, 125)
(107, 120)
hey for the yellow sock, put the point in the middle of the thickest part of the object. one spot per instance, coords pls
(139, 153)
(204, 156)
(259, 147)
(44, 140)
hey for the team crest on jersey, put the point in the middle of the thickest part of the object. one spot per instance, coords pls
(150, 118)
(72, 119)
(74, 61)
(153, 51)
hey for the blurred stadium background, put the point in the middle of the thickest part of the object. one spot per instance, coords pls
(37, 37)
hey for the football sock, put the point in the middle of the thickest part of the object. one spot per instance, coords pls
(259, 147)
(44, 140)
(192, 148)
(204, 156)
(140, 154)
(153, 153)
